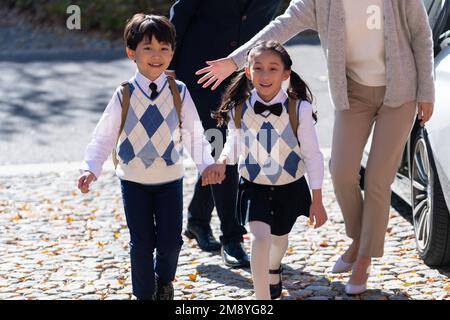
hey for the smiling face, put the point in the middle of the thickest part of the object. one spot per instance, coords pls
(267, 72)
(152, 57)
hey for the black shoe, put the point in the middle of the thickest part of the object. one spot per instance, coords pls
(276, 289)
(234, 255)
(204, 237)
(164, 291)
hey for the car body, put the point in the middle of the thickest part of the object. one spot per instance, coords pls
(423, 176)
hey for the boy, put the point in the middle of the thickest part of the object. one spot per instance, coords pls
(149, 145)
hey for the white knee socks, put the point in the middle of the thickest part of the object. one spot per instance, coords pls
(261, 243)
(277, 251)
(266, 253)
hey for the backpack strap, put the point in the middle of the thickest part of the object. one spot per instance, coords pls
(176, 99)
(125, 106)
(293, 116)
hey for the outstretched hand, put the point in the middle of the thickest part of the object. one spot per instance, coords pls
(216, 72)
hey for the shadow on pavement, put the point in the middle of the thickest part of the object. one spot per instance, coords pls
(38, 96)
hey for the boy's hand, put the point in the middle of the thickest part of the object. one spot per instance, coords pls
(85, 180)
(214, 174)
(317, 214)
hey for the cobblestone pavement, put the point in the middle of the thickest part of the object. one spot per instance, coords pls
(58, 244)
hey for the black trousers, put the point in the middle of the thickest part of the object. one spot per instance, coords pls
(223, 196)
(154, 217)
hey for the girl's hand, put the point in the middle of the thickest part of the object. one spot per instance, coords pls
(217, 71)
(425, 112)
(85, 180)
(317, 214)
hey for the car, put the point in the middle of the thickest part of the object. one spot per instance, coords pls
(423, 176)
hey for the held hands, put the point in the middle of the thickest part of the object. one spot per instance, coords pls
(317, 214)
(215, 173)
(216, 72)
(425, 112)
(85, 180)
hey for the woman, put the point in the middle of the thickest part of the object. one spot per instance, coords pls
(380, 63)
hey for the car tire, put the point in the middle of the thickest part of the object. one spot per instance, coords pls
(430, 213)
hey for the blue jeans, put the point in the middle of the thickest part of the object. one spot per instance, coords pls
(154, 216)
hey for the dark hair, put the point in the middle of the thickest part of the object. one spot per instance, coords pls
(142, 26)
(239, 89)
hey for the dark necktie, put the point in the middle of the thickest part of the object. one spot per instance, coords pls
(154, 88)
(276, 108)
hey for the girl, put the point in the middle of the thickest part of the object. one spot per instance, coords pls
(274, 156)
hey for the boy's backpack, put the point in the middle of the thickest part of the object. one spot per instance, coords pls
(126, 104)
(292, 110)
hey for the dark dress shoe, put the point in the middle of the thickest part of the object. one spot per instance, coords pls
(234, 255)
(204, 237)
(164, 291)
(276, 289)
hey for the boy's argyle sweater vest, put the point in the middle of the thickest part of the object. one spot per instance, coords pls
(149, 146)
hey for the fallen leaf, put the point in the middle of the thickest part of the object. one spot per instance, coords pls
(18, 217)
(101, 244)
(116, 235)
(188, 286)
(407, 284)
(324, 245)
(193, 277)
(290, 250)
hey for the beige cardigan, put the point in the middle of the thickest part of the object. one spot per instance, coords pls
(408, 41)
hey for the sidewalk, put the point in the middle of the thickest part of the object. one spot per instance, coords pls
(57, 244)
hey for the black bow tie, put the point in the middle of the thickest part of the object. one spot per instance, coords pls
(276, 108)
(154, 88)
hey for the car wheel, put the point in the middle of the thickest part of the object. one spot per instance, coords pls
(430, 213)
